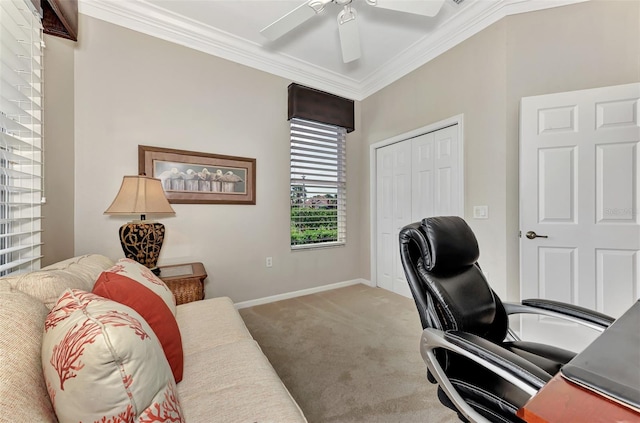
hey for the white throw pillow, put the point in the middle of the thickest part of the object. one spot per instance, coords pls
(103, 363)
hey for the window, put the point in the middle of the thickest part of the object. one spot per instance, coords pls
(20, 136)
(318, 184)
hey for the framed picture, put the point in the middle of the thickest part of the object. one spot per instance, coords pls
(190, 177)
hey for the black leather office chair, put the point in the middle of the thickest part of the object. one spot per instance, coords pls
(483, 370)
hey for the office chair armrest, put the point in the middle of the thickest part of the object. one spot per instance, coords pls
(571, 310)
(516, 370)
(505, 359)
(521, 373)
(560, 310)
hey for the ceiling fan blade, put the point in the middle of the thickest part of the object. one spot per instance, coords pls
(291, 20)
(418, 7)
(349, 35)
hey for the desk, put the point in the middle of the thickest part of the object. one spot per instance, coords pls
(600, 385)
(566, 402)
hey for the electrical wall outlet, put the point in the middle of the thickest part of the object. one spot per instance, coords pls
(269, 262)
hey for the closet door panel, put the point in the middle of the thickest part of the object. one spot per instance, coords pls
(415, 178)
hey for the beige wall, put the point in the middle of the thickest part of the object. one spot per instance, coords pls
(574, 47)
(58, 140)
(133, 89)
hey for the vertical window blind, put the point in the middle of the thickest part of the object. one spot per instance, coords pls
(21, 153)
(318, 184)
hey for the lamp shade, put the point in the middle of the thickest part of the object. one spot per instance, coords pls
(140, 195)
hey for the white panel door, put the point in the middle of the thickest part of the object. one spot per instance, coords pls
(385, 225)
(435, 174)
(423, 176)
(401, 211)
(580, 194)
(447, 193)
(415, 178)
(393, 180)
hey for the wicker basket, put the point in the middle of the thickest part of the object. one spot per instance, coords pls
(186, 290)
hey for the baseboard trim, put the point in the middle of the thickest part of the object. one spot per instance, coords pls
(294, 294)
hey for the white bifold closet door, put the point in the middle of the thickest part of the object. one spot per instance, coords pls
(415, 178)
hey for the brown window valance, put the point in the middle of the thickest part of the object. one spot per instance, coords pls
(319, 106)
(59, 17)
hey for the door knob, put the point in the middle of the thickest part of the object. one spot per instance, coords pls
(533, 235)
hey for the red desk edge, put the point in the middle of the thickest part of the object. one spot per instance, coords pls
(562, 401)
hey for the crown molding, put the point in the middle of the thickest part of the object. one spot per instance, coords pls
(144, 17)
(468, 22)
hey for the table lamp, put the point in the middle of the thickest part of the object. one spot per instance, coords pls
(141, 240)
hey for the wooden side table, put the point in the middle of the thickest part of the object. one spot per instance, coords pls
(186, 281)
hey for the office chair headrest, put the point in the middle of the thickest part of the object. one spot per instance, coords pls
(451, 243)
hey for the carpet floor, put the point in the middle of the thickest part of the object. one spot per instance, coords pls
(349, 355)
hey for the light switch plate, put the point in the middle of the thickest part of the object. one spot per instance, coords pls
(480, 212)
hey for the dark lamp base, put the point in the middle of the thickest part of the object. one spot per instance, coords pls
(142, 241)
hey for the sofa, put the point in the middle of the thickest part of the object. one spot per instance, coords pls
(225, 377)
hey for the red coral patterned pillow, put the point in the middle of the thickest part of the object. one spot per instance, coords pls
(153, 310)
(143, 275)
(103, 363)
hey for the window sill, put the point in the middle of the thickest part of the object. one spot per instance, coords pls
(318, 245)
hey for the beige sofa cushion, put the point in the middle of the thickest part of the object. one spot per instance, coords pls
(102, 362)
(88, 265)
(23, 394)
(234, 383)
(50, 282)
(208, 323)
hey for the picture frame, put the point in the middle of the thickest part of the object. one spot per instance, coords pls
(191, 177)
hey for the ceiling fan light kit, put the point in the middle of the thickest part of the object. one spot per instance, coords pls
(347, 24)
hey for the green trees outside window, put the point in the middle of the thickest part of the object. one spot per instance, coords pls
(313, 220)
(309, 226)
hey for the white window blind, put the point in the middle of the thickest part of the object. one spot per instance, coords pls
(318, 184)
(21, 152)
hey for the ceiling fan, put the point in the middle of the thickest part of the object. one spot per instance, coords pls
(347, 26)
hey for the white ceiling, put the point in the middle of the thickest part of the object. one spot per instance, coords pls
(393, 43)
